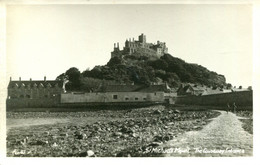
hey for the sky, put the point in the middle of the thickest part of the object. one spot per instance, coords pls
(46, 40)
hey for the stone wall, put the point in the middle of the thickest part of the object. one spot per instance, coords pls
(33, 103)
(244, 98)
(112, 97)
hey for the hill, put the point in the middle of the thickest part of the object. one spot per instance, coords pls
(140, 69)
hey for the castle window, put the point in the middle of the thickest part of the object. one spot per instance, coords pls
(46, 96)
(136, 98)
(144, 98)
(126, 98)
(115, 97)
(28, 96)
(155, 94)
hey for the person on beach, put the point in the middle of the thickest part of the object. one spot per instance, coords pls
(228, 107)
(234, 107)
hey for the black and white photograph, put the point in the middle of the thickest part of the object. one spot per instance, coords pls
(128, 80)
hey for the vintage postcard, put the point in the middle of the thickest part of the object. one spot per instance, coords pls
(130, 80)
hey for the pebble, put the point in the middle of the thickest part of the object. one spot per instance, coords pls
(110, 137)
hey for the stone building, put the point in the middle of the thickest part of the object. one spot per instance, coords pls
(46, 93)
(191, 89)
(199, 90)
(140, 47)
(34, 93)
(119, 94)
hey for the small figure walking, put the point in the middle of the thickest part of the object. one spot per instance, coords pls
(234, 107)
(228, 107)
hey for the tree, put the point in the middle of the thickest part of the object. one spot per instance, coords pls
(159, 64)
(229, 86)
(74, 78)
(61, 77)
(114, 61)
(161, 74)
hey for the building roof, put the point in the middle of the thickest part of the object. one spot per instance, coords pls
(239, 89)
(210, 91)
(198, 88)
(37, 83)
(193, 87)
(204, 90)
(201, 89)
(133, 88)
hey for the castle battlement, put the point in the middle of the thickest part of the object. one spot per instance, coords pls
(140, 47)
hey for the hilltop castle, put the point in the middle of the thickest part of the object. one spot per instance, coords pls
(140, 48)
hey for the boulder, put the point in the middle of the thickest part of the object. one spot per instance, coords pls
(118, 134)
(155, 144)
(176, 111)
(90, 153)
(157, 112)
(203, 123)
(134, 135)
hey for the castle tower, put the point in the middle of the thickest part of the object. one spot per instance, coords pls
(126, 43)
(116, 46)
(142, 38)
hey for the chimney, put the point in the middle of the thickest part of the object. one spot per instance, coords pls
(133, 39)
(130, 39)
(19, 78)
(10, 78)
(44, 78)
(114, 45)
(30, 79)
(118, 45)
